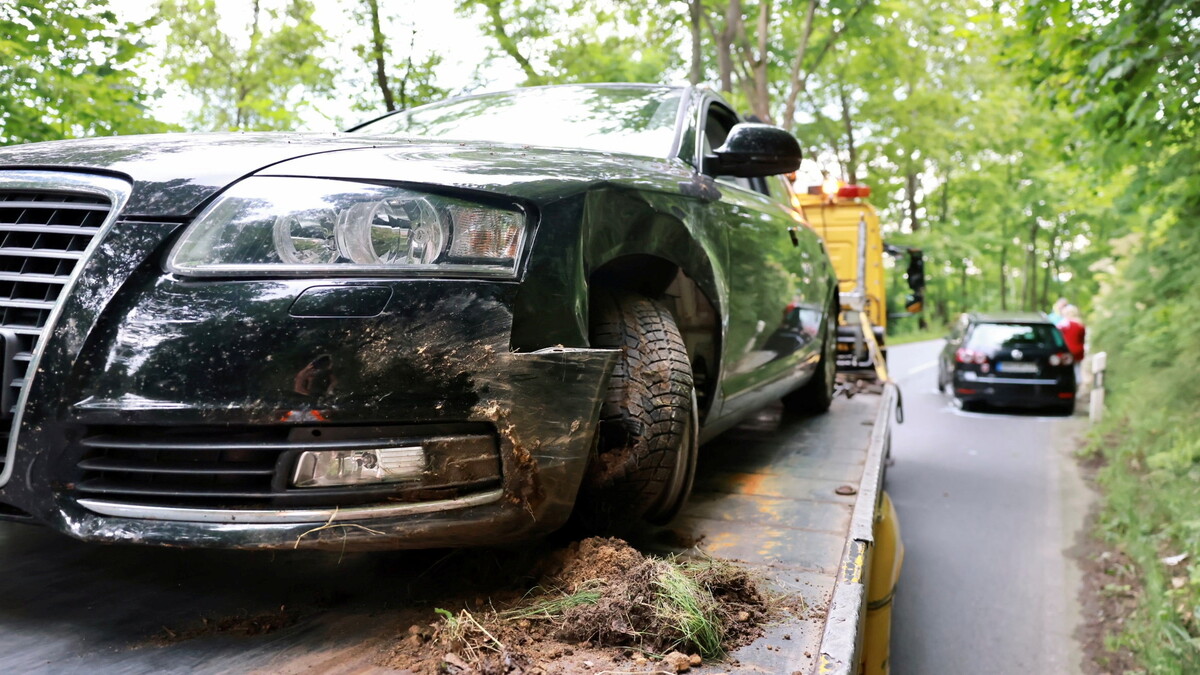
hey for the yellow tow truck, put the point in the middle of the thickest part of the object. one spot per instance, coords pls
(849, 226)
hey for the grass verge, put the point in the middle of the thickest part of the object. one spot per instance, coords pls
(931, 333)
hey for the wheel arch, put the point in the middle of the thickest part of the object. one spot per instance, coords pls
(696, 316)
(664, 247)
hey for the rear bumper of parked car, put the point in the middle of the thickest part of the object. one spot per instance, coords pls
(150, 433)
(1016, 392)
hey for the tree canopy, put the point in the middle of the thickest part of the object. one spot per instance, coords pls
(1033, 148)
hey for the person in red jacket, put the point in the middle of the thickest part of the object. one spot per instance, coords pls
(1073, 333)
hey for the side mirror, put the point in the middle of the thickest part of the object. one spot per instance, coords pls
(753, 149)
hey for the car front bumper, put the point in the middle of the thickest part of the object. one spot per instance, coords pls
(167, 354)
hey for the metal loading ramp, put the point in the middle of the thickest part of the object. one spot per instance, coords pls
(796, 500)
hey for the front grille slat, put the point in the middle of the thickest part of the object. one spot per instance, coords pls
(170, 445)
(37, 228)
(185, 468)
(21, 303)
(74, 206)
(35, 278)
(100, 486)
(43, 237)
(18, 252)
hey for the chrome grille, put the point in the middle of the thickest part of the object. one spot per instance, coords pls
(43, 236)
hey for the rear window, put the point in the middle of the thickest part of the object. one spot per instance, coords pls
(1000, 335)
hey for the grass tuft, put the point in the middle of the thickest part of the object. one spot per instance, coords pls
(688, 609)
(554, 605)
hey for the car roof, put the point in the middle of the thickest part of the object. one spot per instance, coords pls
(1009, 317)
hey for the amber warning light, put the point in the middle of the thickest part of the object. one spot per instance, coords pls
(832, 189)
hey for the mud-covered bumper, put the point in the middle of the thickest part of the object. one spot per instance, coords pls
(151, 359)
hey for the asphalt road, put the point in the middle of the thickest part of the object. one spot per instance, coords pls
(989, 505)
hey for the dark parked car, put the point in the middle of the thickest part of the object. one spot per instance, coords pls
(1011, 359)
(451, 326)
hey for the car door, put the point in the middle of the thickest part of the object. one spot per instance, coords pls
(777, 283)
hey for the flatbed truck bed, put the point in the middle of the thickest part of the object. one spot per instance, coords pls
(798, 500)
(802, 501)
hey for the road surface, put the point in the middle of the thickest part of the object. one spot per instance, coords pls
(989, 503)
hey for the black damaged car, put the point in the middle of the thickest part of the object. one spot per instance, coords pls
(450, 326)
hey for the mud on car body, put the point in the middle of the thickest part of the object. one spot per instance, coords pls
(449, 326)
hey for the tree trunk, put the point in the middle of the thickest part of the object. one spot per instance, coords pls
(733, 18)
(508, 44)
(910, 187)
(377, 53)
(944, 211)
(695, 9)
(1031, 280)
(1004, 271)
(851, 149)
(796, 83)
(964, 285)
(762, 96)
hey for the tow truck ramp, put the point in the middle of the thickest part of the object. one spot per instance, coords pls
(803, 503)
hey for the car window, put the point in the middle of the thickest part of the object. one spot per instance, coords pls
(629, 120)
(718, 120)
(1005, 335)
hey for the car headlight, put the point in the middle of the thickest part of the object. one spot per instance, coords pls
(273, 226)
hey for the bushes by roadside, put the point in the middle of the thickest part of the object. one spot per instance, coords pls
(1148, 320)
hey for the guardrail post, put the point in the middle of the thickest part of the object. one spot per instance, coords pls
(1096, 404)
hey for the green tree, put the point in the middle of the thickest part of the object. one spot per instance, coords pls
(1128, 73)
(66, 71)
(586, 40)
(414, 81)
(260, 79)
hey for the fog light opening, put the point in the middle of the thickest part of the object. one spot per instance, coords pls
(341, 468)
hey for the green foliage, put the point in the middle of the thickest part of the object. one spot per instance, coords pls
(1127, 72)
(398, 82)
(65, 72)
(259, 79)
(584, 40)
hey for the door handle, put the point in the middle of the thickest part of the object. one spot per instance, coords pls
(792, 232)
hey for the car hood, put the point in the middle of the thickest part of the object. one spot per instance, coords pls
(174, 175)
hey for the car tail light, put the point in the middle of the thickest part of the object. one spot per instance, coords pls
(964, 355)
(1061, 359)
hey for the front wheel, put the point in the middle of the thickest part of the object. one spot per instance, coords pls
(648, 434)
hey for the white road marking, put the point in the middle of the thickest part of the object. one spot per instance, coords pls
(919, 369)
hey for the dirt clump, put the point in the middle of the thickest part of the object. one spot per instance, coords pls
(597, 604)
(594, 559)
(241, 625)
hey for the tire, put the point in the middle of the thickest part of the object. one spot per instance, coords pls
(648, 432)
(941, 384)
(816, 395)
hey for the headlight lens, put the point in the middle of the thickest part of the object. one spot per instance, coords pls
(272, 226)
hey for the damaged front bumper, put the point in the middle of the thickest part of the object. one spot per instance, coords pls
(231, 372)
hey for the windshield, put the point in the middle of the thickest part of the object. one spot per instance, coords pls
(1003, 335)
(631, 120)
